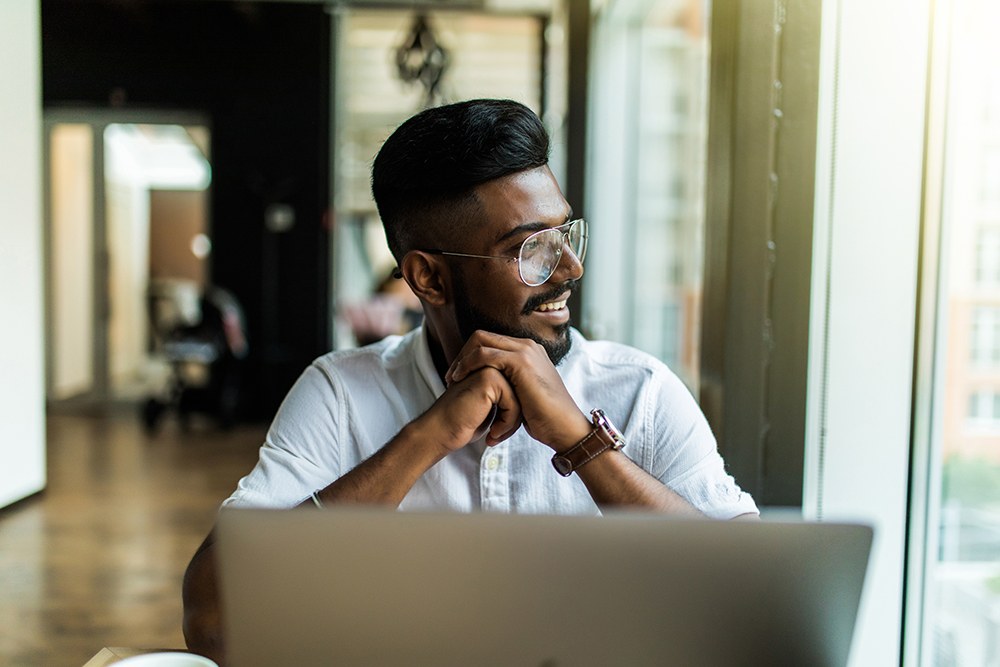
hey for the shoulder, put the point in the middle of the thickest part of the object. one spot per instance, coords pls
(611, 353)
(363, 362)
(329, 390)
(611, 372)
(603, 356)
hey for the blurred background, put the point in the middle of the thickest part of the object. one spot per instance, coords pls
(794, 204)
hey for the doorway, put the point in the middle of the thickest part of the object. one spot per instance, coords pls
(127, 228)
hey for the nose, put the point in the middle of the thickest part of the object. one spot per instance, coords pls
(569, 267)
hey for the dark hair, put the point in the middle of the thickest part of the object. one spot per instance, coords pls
(424, 174)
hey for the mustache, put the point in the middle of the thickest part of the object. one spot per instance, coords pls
(534, 302)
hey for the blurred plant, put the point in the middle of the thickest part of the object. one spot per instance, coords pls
(975, 482)
(993, 585)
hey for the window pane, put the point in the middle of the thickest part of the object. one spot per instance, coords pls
(985, 335)
(962, 584)
(988, 256)
(646, 191)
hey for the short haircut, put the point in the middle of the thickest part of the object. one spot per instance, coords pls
(424, 176)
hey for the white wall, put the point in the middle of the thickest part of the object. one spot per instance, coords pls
(22, 408)
(71, 258)
(868, 203)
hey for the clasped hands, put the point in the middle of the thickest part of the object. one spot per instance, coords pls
(512, 381)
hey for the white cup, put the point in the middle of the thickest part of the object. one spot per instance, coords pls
(166, 659)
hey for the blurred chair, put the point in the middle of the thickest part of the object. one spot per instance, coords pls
(205, 349)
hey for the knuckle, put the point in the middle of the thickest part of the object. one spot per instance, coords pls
(492, 374)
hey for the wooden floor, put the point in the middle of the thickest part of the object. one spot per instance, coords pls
(97, 559)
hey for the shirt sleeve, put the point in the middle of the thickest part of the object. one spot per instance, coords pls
(301, 451)
(684, 454)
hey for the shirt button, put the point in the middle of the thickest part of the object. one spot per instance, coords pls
(492, 463)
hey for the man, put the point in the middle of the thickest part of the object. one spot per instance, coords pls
(485, 407)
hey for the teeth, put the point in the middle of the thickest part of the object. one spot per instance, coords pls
(555, 305)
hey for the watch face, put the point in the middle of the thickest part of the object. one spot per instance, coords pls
(601, 421)
(562, 465)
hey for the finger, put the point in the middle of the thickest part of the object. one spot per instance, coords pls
(492, 439)
(508, 418)
(474, 360)
(495, 439)
(484, 349)
(486, 339)
(492, 339)
(487, 424)
(465, 408)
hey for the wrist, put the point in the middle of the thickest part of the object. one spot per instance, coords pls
(577, 429)
(602, 437)
(424, 438)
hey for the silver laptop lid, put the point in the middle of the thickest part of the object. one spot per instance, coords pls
(371, 587)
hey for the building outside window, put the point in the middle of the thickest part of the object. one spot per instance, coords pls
(986, 336)
(991, 174)
(960, 608)
(984, 410)
(988, 257)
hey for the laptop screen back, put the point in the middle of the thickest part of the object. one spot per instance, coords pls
(373, 587)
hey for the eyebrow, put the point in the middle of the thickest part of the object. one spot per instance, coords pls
(536, 226)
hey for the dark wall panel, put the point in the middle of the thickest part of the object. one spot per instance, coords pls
(260, 73)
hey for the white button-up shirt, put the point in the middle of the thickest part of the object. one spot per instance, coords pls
(348, 404)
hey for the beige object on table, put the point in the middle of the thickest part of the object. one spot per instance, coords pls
(112, 654)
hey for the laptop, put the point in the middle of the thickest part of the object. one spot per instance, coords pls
(375, 587)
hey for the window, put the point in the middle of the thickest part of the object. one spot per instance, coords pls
(990, 180)
(986, 336)
(992, 110)
(958, 619)
(984, 407)
(646, 179)
(988, 257)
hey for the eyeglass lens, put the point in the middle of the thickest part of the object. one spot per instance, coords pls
(541, 252)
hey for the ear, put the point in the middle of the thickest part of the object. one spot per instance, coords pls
(428, 277)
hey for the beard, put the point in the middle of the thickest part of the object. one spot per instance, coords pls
(471, 319)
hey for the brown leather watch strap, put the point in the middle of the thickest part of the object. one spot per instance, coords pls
(593, 445)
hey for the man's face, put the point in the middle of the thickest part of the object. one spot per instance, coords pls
(488, 293)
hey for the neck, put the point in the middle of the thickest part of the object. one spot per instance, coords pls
(441, 361)
(443, 349)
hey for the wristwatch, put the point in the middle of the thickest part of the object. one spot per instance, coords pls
(604, 437)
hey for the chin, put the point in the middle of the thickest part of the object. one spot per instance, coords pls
(556, 346)
(555, 339)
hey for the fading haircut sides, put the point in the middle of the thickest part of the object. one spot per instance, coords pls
(424, 176)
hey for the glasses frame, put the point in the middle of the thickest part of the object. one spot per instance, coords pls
(564, 230)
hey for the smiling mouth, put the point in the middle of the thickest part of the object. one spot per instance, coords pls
(551, 306)
(553, 301)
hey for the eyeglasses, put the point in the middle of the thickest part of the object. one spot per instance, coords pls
(540, 253)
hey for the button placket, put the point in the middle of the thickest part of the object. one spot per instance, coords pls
(494, 479)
